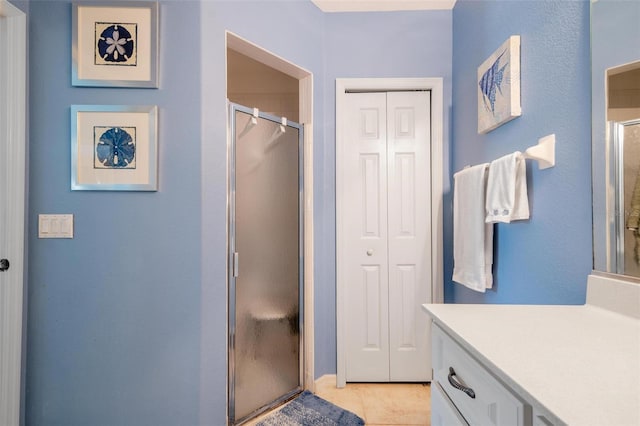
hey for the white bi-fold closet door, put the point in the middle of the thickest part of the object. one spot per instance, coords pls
(385, 194)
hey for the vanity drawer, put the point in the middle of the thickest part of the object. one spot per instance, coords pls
(479, 397)
(443, 412)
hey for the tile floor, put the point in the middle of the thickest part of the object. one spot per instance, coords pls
(389, 404)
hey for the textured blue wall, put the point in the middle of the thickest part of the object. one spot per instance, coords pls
(127, 321)
(363, 45)
(292, 30)
(547, 258)
(114, 313)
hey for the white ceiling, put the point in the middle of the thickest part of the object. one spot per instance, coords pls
(382, 5)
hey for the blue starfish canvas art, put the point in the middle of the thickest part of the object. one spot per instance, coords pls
(116, 44)
(115, 147)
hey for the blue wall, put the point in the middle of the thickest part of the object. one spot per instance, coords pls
(547, 258)
(114, 314)
(292, 30)
(127, 321)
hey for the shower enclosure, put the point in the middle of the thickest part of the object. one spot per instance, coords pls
(265, 262)
(624, 200)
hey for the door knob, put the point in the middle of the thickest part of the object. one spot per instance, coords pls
(370, 252)
(4, 265)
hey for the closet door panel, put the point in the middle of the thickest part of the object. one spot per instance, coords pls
(409, 233)
(367, 357)
(386, 216)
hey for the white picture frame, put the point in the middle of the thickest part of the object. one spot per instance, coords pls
(115, 44)
(114, 148)
(498, 86)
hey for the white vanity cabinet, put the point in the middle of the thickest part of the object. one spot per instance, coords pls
(463, 386)
(544, 365)
(540, 419)
(443, 411)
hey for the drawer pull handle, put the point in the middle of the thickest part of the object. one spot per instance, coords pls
(459, 385)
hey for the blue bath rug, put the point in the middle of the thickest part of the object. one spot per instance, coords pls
(310, 410)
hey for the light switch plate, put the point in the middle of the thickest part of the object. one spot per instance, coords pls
(55, 226)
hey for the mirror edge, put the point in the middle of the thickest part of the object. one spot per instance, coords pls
(605, 31)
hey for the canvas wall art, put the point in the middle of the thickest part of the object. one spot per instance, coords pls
(115, 44)
(114, 148)
(499, 86)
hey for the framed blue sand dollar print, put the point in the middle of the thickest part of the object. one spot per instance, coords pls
(114, 148)
(115, 44)
(499, 86)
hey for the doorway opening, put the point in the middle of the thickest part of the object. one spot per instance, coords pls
(368, 122)
(273, 87)
(13, 145)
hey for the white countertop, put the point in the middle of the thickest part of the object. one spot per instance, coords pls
(581, 363)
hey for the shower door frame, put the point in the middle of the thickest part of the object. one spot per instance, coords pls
(232, 264)
(616, 218)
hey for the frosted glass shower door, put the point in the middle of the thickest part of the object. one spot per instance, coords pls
(265, 263)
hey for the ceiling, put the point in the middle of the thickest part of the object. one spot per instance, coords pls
(382, 5)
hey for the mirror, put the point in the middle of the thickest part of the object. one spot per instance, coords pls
(615, 67)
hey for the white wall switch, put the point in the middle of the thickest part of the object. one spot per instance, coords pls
(55, 226)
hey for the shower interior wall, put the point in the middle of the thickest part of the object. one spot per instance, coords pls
(256, 85)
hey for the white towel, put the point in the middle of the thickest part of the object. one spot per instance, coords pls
(472, 237)
(507, 189)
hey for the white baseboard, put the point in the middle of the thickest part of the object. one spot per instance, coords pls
(324, 382)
